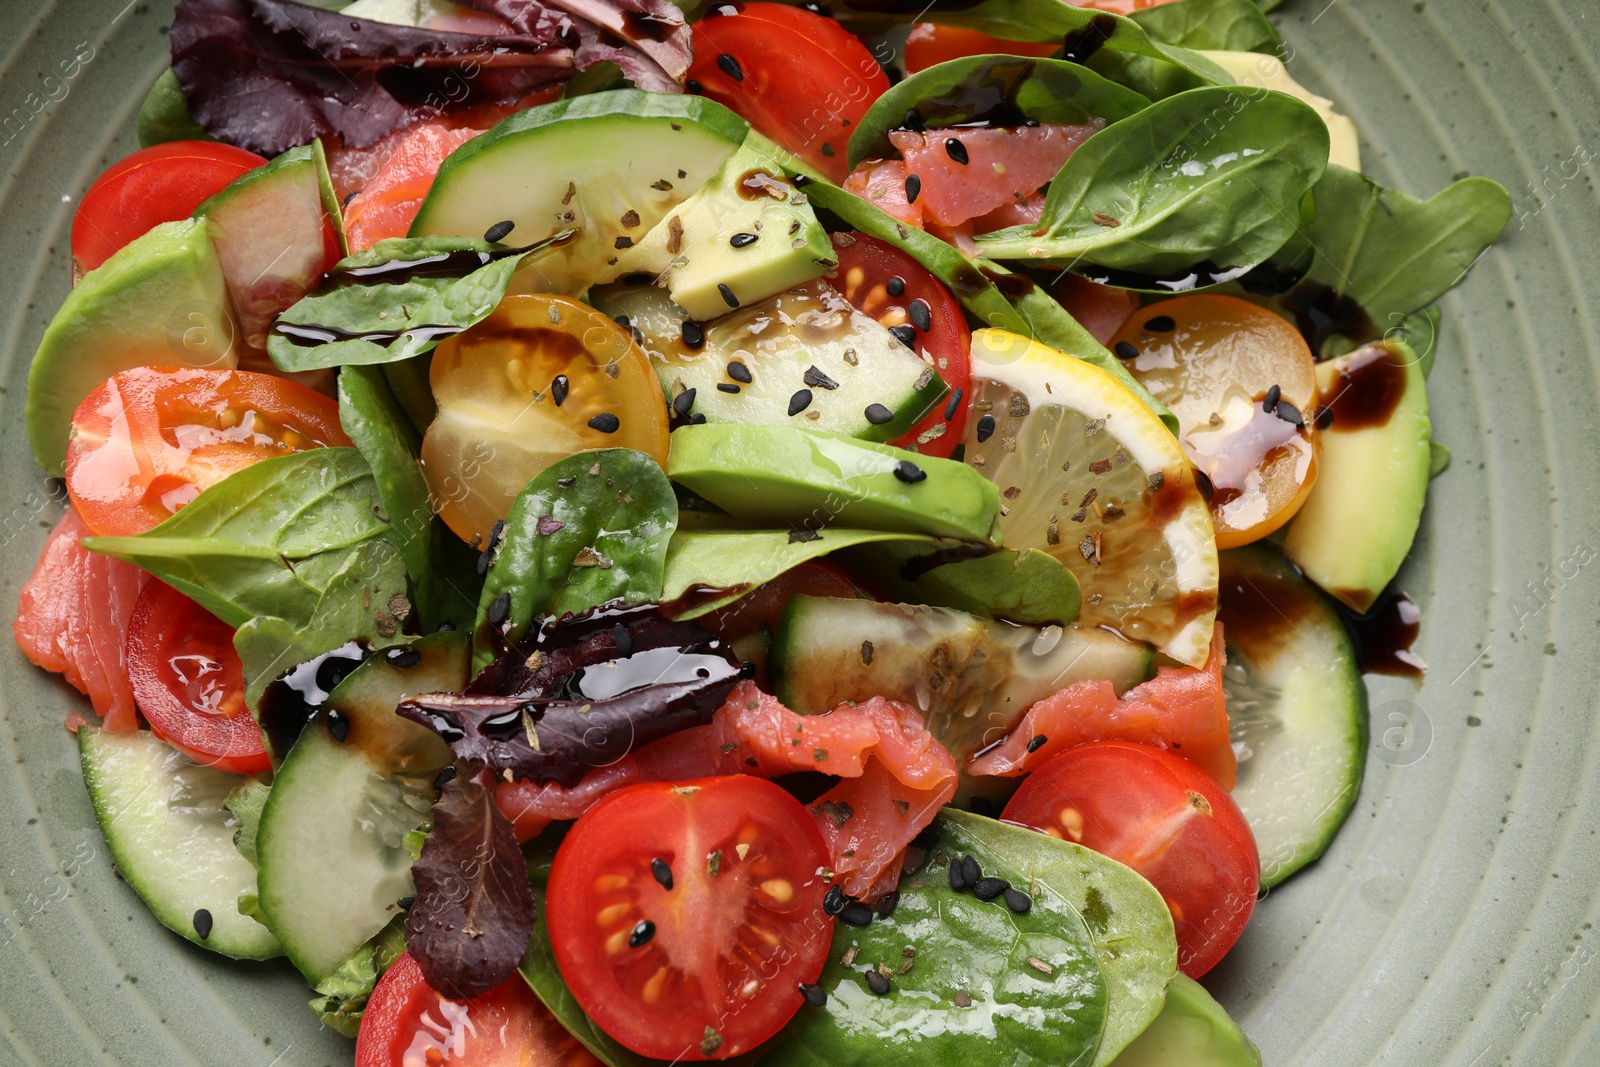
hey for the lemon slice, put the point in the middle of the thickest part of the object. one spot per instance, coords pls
(1090, 475)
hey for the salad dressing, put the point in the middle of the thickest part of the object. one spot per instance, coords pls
(1366, 393)
(294, 699)
(1384, 636)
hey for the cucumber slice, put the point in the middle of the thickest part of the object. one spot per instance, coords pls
(1297, 708)
(165, 821)
(609, 164)
(822, 351)
(332, 838)
(972, 678)
(1192, 1030)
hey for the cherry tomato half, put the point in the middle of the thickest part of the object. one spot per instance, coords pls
(148, 440)
(163, 183)
(800, 78)
(189, 682)
(684, 917)
(884, 282)
(930, 44)
(1164, 817)
(409, 1024)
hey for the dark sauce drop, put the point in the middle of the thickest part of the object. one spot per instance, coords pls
(1367, 391)
(1385, 634)
(987, 97)
(1011, 286)
(643, 26)
(291, 701)
(1322, 313)
(1080, 44)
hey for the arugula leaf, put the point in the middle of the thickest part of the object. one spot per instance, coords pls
(362, 314)
(1029, 586)
(964, 90)
(736, 562)
(1214, 175)
(587, 530)
(264, 541)
(1392, 253)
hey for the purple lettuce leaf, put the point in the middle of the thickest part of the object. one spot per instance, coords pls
(268, 75)
(474, 912)
(648, 39)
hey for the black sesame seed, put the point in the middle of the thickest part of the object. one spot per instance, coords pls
(338, 725)
(1030, 123)
(909, 472)
(498, 231)
(730, 67)
(896, 286)
(1124, 350)
(202, 923)
(885, 905)
(693, 87)
(904, 334)
(559, 389)
(661, 871)
(1018, 901)
(727, 295)
(623, 321)
(1269, 403)
(444, 778)
(499, 609)
(956, 150)
(1290, 414)
(989, 888)
(403, 657)
(815, 995)
(641, 934)
(913, 188)
(1324, 418)
(926, 839)
(818, 380)
(605, 422)
(958, 875)
(744, 240)
(693, 336)
(727, 387)
(1037, 743)
(877, 983)
(828, 150)
(970, 870)
(697, 419)
(739, 372)
(834, 900)
(921, 314)
(856, 914)
(404, 903)
(1161, 324)
(877, 414)
(985, 428)
(913, 121)
(799, 401)
(683, 402)
(953, 404)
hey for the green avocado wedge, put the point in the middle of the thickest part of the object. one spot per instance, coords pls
(159, 301)
(779, 476)
(1193, 1030)
(1362, 515)
(676, 144)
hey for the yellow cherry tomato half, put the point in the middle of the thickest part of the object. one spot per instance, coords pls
(1243, 384)
(539, 379)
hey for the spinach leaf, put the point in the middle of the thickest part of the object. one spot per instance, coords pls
(1029, 586)
(1012, 1011)
(373, 310)
(1214, 175)
(266, 540)
(735, 562)
(588, 529)
(1392, 253)
(408, 381)
(1005, 88)
(1211, 25)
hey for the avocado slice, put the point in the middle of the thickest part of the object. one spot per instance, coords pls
(159, 301)
(746, 235)
(780, 476)
(1192, 1030)
(1362, 515)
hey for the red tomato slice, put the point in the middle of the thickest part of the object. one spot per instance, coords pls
(163, 183)
(763, 606)
(72, 618)
(798, 77)
(391, 200)
(1164, 817)
(684, 917)
(1100, 309)
(884, 282)
(190, 684)
(1003, 165)
(930, 44)
(409, 1024)
(1181, 708)
(148, 440)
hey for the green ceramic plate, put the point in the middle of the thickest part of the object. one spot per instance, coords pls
(1450, 923)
